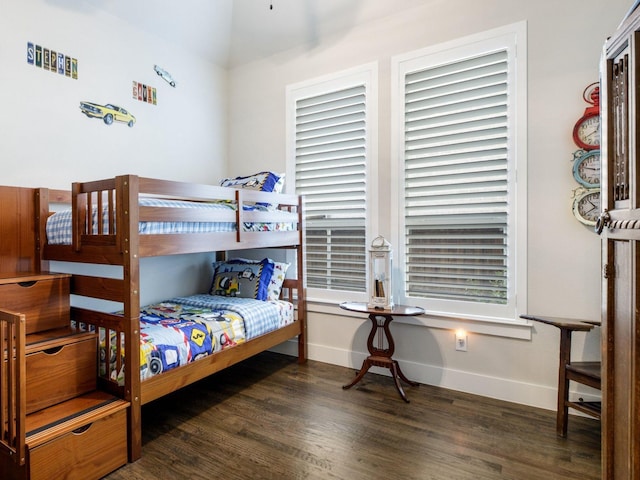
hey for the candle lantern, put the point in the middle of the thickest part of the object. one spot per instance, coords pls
(379, 282)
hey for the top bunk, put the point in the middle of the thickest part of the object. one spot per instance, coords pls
(131, 216)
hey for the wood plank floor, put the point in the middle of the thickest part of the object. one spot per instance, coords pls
(270, 418)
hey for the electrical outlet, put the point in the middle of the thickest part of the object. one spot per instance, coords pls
(461, 341)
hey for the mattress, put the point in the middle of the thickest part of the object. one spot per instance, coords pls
(185, 329)
(59, 225)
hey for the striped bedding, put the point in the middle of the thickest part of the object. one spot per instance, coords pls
(59, 231)
(185, 329)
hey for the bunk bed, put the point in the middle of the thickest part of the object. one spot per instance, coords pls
(113, 222)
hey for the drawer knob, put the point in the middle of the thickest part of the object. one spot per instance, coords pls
(82, 429)
(53, 350)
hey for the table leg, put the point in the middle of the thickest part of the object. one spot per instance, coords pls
(365, 368)
(381, 357)
(562, 413)
(403, 377)
(395, 373)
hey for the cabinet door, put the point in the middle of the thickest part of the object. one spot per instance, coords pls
(620, 256)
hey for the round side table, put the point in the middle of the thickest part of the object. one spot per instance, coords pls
(378, 355)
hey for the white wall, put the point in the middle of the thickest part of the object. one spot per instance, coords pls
(46, 141)
(564, 44)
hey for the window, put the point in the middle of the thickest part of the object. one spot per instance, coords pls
(330, 160)
(462, 220)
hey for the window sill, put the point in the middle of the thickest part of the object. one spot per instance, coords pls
(517, 330)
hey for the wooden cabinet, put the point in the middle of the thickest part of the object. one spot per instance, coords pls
(620, 232)
(54, 422)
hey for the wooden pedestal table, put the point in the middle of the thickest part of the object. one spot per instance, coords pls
(379, 356)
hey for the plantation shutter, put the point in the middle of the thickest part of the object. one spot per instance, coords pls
(456, 212)
(330, 173)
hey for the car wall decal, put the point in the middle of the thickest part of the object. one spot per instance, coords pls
(109, 113)
(166, 76)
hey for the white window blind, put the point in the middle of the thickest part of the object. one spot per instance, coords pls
(330, 171)
(456, 180)
(459, 152)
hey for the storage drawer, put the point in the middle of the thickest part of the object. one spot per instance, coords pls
(61, 372)
(45, 302)
(88, 453)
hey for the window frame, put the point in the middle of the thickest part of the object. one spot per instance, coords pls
(366, 75)
(474, 316)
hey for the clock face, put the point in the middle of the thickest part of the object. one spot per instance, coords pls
(586, 168)
(586, 206)
(586, 132)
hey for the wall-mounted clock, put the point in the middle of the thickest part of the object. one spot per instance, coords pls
(586, 132)
(586, 168)
(586, 205)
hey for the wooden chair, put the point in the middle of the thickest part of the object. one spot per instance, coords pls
(586, 373)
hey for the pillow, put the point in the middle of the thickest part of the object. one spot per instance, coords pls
(242, 278)
(275, 285)
(279, 186)
(262, 181)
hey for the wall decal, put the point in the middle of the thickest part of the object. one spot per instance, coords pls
(108, 113)
(145, 93)
(165, 75)
(52, 60)
(61, 63)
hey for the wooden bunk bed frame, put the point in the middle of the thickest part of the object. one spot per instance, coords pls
(121, 244)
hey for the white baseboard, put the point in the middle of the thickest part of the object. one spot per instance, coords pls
(540, 396)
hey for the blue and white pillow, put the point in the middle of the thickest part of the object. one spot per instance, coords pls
(277, 279)
(262, 181)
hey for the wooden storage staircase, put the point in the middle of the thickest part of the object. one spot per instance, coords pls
(54, 422)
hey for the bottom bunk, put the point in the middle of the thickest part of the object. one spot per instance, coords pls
(199, 328)
(176, 342)
(160, 385)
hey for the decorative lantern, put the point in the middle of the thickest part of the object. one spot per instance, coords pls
(379, 283)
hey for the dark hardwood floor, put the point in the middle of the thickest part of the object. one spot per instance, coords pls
(270, 418)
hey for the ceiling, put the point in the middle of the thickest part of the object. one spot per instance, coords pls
(233, 32)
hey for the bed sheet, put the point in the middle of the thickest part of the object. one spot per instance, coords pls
(185, 329)
(59, 225)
